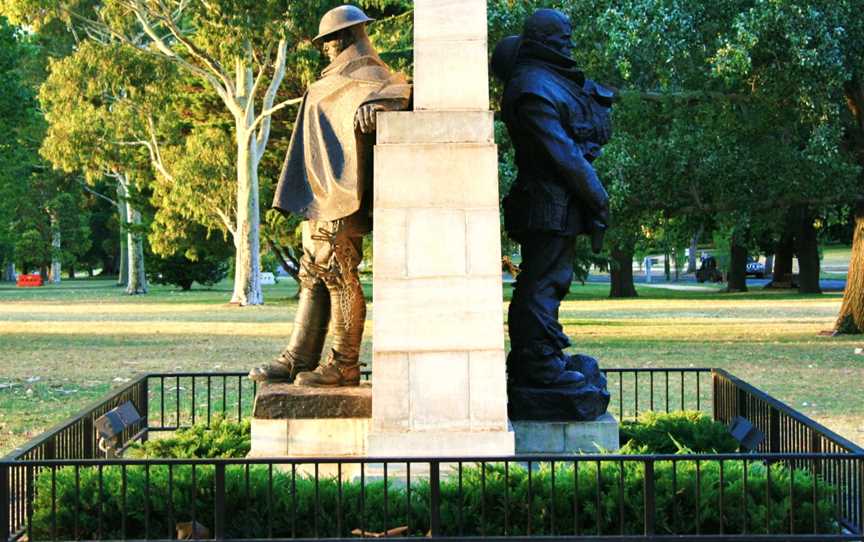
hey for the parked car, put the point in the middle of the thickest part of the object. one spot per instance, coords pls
(755, 267)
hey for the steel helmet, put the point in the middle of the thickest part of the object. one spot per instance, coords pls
(339, 19)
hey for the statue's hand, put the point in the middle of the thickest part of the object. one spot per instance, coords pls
(365, 120)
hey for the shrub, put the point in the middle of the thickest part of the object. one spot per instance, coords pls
(181, 271)
(223, 439)
(669, 433)
(493, 500)
(289, 506)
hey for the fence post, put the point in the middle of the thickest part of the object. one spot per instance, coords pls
(715, 395)
(219, 511)
(88, 437)
(5, 503)
(816, 448)
(861, 495)
(774, 431)
(650, 500)
(143, 392)
(435, 497)
(742, 404)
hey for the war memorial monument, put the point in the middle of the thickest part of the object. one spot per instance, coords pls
(447, 387)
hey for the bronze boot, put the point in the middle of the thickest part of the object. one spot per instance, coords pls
(333, 374)
(303, 352)
(348, 315)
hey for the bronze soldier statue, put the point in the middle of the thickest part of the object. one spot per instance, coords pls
(558, 122)
(327, 178)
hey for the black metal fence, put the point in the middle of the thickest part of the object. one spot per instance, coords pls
(805, 482)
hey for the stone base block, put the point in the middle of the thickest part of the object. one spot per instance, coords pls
(441, 444)
(554, 437)
(282, 401)
(293, 421)
(334, 437)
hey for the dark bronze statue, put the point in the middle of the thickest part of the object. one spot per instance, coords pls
(327, 178)
(558, 122)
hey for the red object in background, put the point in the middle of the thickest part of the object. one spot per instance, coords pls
(29, 281)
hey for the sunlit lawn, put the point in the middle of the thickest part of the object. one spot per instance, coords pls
(62, 346)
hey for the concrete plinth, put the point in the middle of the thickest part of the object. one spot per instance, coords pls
(536, 437)
(291, 421)
(438, 344)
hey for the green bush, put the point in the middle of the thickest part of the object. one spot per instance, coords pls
(486, 498)
(662, 433)
(250, 503)
(223, 439)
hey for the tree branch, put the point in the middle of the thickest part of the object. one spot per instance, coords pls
(153, 147)
(202, 57)
(223, 89)
(95, 193)
(262, 71)
(270, 97)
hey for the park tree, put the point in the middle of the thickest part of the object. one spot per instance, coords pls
(51, 224)
(43, 220)
(807, 57)
(238, 50)
(13, 94)
(201, 256)
(104, 105)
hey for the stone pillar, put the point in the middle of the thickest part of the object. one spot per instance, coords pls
(438, 366)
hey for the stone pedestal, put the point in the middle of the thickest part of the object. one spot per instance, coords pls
(553, 437)
(290, 421)
(438, 344)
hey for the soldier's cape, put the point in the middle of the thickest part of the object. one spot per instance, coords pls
(329, 165)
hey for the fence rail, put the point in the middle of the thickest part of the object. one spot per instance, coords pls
(803, 483)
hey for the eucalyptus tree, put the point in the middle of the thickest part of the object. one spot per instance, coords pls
(15, 102)
(238, 49)
(103, 105)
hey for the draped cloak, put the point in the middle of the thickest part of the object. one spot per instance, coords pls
(328, 168)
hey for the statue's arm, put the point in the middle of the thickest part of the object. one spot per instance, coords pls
(542, 121)
(394, 95)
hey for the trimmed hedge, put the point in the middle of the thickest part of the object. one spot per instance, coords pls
(257, 507)
(670, 433)
(223, 439)
(250, 505)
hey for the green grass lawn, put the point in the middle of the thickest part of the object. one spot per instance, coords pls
(62, 346)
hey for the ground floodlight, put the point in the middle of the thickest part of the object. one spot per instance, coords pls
(111, 425)
(747, 434)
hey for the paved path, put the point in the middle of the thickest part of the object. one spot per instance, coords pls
(831, 285)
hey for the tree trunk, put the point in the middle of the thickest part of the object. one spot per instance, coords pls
(694, 246)
(807, 248)
(737, 281)
(677, 265)
(621, 273)
(667, 270)
(782, 275)
(55, 248)
(9, 272)
(247, 242)
(71, 271)
(769, 264)
(123, 272)
(851, 317)
(135, 242)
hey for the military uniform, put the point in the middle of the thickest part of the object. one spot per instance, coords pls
(327, 178)
(551, 113)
